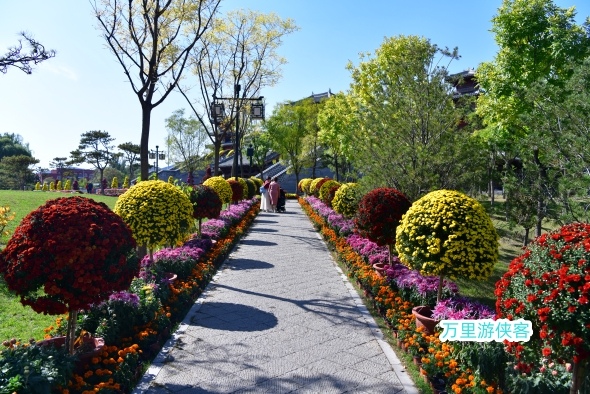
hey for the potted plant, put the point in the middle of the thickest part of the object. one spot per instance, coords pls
(68, 254)
(379, 213)
(158, 213)
(549, 284)
(447, 234)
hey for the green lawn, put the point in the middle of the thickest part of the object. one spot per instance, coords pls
(17, 321)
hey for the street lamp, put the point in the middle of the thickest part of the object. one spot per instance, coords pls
(250, 153)
(256, 113)
(158, 156)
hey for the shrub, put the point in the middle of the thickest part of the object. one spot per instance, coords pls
(126, 183)
(45, 187)
(315, 186)
(68, 185)
(38, 186)
(252, 188)
(379, 214)
(58, 185)
(237, 190)
(549, 284)
(346, 199)
(324, 191)
(304, 185)
(206, 203)
(115, 183)
(221, 187)
(158, 213)
(257, 183)
(5, 217)
(245, 187)
(171, 180)
(448, 234)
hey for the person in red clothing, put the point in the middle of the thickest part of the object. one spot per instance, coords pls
(273, 191)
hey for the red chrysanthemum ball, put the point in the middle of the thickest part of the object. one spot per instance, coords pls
(379, 214)
(68, 254)
(206, 202)
(237, 190)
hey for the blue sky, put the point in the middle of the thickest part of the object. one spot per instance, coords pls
(83, 88)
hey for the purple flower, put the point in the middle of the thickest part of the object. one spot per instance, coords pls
(459, 308)
(125, 297)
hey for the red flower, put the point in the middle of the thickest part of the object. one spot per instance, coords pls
(546, 351)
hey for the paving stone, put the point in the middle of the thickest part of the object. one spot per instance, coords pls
(278, 318)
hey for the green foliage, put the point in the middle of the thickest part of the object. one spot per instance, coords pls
(185, 141)
(305, 185)
(34, 369)
(447, 233)
(244, 185)
(115, 183)
(252, 188)
(346, 200)
(15, 172)
(406, 135)
(315, 185)
(157, 212)
(126, 183)
(221, 187)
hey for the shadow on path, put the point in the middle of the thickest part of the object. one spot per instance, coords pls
(233, 317)
(248, 264)
(257, 242)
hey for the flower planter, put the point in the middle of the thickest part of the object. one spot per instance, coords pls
(379, 269)
(423, 318)
(417, 360)
(90, 346)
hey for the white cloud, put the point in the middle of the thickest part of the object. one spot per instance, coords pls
(59, 70)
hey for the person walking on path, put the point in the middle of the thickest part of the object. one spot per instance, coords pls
(265, 203)
(273, 191)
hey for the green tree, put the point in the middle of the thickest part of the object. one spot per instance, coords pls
(16, 172)
(130, 154)
(95, 149)
(287, 128)
(59, 163)
(539, 43)
(239, 50)
(185, 141)
(337, 121)
(12, 145)
(408, 137)
(262, 146)
(152, 40)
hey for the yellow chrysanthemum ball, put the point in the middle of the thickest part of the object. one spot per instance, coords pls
(244, 186)
(324, 191)
(304, 184)
(346, 200)
(158, 213)
(314, 186)
(447, 233)
(221, 187)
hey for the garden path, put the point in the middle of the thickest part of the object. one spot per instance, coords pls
(279, 317)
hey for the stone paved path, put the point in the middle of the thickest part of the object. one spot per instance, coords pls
(279, 317)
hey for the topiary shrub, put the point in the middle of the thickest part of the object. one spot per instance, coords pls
(171, 180)
(252, 188)
(54, 275)
(115, 183)
(257, 182)
(448, 234)
(221, 187)
(379, 214)
(316, 184)
(126, 183)
(346, 199)
(549, 285)
(304, 185)
(158, 213)
(68, 185)
(245, 187)
(45, 187)
(58, 185)
(324, 192)
(38, 186)
(237, 190)
(206, 202)
(332, 194)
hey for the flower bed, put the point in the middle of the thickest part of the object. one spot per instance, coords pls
(397, 293)
(135, 323)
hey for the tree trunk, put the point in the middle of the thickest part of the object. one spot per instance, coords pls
(71, 333)
(525, 240)
(146, 112)
(337, 175)
(216, 147)
(578, 376)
